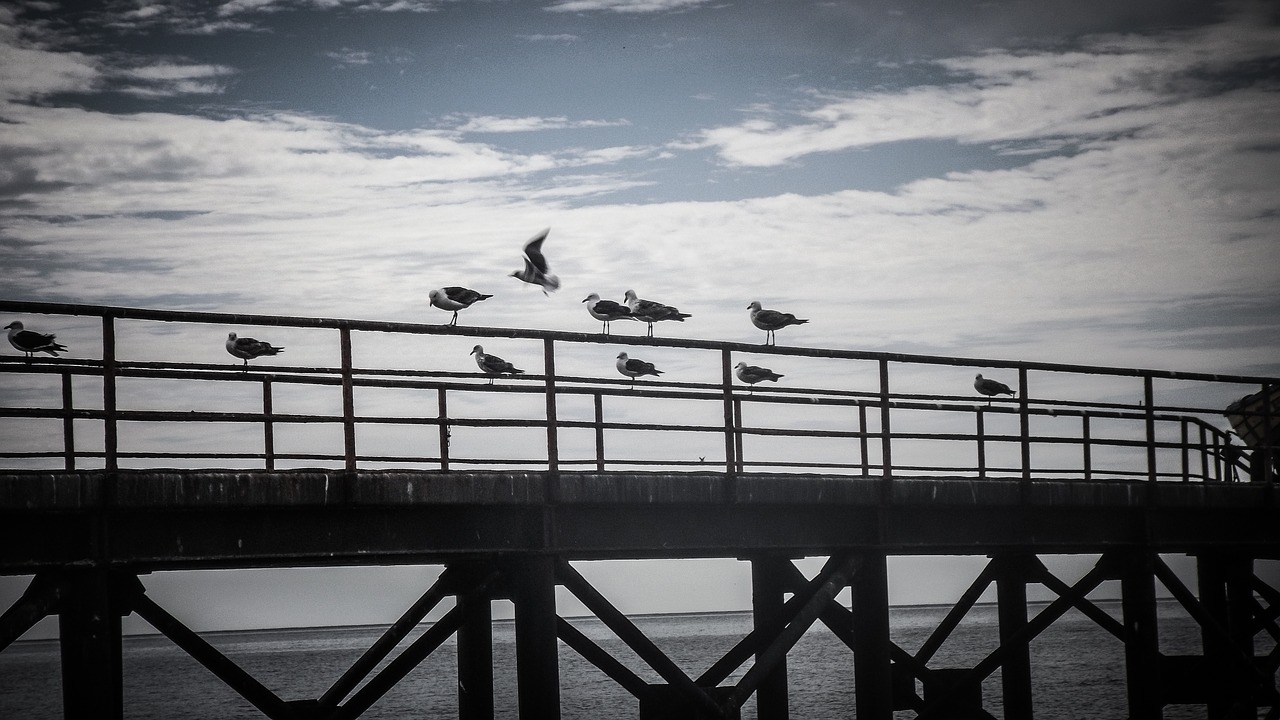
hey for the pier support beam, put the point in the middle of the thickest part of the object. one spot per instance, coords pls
(769, 576)
(533, 590)
(872, 667)
(89, 627)
(475, 657)
(1225, 594)
(1011, 590)
(1141, 638)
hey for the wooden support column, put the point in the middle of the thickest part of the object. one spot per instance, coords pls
(533, 590)
(1224, 594)
(475, 657)
(769, 578)
(89, 628)
(871, 656)
(1015, 674)
(1141, 638)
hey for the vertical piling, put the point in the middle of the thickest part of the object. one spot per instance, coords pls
(871, 655)
(768, 581)
(533, 589)
(1015, 674)
(89, 629)
(475, 657)
(1141, 639)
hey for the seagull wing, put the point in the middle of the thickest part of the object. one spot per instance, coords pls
(533, 252)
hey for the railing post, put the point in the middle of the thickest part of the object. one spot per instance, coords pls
(348, 401)
(68, 424)
(598, 399)
(443, 406)
(1186, 452)
(1148, 403)
(1204, 455)
(886, 445)
(1088, 448)
(1269, 436)
(1024, 425)
(109, 431)
(982, 446)
(726, 380)
(553, 443)
(737, 436)
(268, 426)
(862, 439)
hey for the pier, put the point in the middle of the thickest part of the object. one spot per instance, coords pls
(378, 443)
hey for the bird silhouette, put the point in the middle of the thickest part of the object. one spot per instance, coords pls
(246, 348)
(536, 271)
(771, 321)
(454, 298)
(30, 342)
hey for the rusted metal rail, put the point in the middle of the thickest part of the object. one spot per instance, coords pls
(1179, 440)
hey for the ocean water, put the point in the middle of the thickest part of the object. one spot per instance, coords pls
(1077, 668)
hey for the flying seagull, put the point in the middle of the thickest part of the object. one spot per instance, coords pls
(650, 312)
(29, 342)
(991, 387)
(752, 374)
(247, 348)
(606, 311)
(455, 298)
(536, 271)
(492, 365)
(634, 368)
(771, 320)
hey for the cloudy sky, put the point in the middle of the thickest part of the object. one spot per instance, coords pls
(1084, 181)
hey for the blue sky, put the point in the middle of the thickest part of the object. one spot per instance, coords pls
(1083, 182)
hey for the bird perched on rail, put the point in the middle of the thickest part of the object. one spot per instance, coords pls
(650, 312)
(492, 365)
(454, 298)
(635, 367)
(752, 374)
(771, 320)
(536, 271)
(606, 311)
(30, 342)
(990, 387)
(247, 348)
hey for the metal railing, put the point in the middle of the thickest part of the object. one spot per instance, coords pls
(869, 419)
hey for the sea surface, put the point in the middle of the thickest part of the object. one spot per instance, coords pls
(1077, 668)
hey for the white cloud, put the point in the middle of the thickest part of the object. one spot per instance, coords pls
(626, 6)
(1116, 85)
(495, 124)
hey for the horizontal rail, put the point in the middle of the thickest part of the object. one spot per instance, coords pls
(1181, 440)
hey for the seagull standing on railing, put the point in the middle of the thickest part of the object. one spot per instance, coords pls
(991, 387)
(247, 348)
(771, 320)
(454, 298)
(752, 374)
(492, 365)
(635, 367)
(650, 312)
(29, 342)
(536, 271)
(606, 311)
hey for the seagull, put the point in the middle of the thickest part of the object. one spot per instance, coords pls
(455, 298)
(248, 348)
(30, 343)
(648, 311)
(492, 365)
(606, 311)
(634, 368)
(771, 320)
(752, 374)
(991, 387)
(536, 271)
